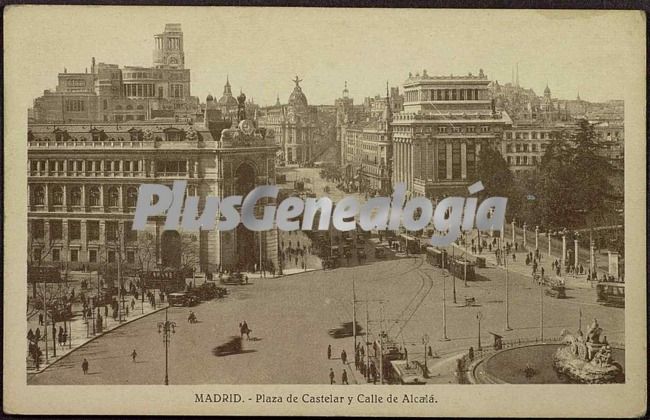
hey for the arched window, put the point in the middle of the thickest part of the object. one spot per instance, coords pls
(75, 196)
(118, 107)
(38, 196)
(129, 107)
(140, 107)
(57, 196)
(113, 197)
(94, 196)
(131, 197)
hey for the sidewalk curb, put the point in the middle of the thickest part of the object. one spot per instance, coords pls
(95, 337)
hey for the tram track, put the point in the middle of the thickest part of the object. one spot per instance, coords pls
(425, 288)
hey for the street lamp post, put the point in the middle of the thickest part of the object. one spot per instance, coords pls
(166, 329)
(479, 317)
(524, 227)
(444, 308)
(513, 232)
(536, 238)
(541, 310)
(507, 327)
(425, 341)
(549, 242)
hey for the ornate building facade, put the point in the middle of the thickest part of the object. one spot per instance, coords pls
(294, 125)
(109, 93)
(83, 183)
(438, 137)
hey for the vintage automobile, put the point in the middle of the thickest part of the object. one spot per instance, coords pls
(380, 252)
(182, 299)
(329, 263)
(344, 330)
(233, 346)
(233, 278)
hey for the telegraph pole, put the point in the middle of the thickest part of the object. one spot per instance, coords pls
(507, 327)
(453, 275)
(354, 315)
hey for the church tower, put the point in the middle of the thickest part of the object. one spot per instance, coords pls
(168, 52)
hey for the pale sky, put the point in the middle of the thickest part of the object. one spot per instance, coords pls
(262, 50)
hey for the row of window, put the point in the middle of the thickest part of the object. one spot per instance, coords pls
(75, 82)
(525, 147)
(112, 230)
(92, 255)
(456, 169)
(76, 167)
(525, 135)
(75, 196)
(75, 105)
(443, 95)
(523, 160)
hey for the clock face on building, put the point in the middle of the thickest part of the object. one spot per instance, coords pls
(247, 127)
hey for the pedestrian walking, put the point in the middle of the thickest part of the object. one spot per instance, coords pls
(134, 355)
(344, 356)
(329, 351)
(332, 381)
(40, 319)
(84, 366)
(344, 377)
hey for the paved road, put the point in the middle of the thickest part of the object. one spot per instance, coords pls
(290, 317)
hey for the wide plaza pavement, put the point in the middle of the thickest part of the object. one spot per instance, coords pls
(290, 317)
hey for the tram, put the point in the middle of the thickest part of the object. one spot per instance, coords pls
(458, 266)
(611, 293)
(410, 243)
(436, 257)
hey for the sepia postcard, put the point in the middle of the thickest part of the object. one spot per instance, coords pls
(312, 211)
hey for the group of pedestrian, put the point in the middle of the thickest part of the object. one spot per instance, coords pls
(344, 360)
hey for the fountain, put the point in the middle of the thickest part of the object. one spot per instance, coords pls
(587, 359)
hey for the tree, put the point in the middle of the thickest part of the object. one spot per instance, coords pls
(494, 173)
(573, 184)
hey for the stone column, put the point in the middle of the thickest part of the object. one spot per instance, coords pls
(66, 248)
(47, 167)
(65, 167)
(46, 199)
(120, 197)
(449, 160)
(463, 160)
(536, 238)
(563, 252)
(549, 243)
(524, 233)
(196, 169)
(592, 257)
(513, 233)
(102, 232)
(84, 238)
(575, 257)
(65, 196)
(83, 196)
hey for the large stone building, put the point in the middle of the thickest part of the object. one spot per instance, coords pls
(294, 125)
(438, 136)
(83, 184)
(109, 93)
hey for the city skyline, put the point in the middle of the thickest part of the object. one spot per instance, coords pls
(583, 65)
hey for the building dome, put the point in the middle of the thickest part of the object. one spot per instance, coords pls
(227, 99)
(297, 97)
(209, 98)
(547, 91)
